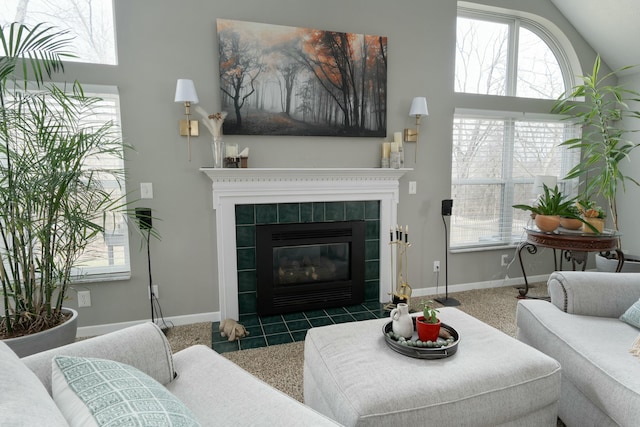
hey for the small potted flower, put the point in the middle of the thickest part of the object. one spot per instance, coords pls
(428, 325)
(592, 215)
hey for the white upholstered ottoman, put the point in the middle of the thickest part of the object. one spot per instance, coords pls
(352, 376)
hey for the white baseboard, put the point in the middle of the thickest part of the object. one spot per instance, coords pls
(440, 290)
(91, 331)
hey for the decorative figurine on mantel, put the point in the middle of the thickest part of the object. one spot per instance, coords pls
(399, 239)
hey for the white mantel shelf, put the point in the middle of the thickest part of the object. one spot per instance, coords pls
(217, 174)
(233, 187)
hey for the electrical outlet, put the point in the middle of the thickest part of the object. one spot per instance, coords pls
(84, 299)
(436, 266)
(505, 260)
(155, 291)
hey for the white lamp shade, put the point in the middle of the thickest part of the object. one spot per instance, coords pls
(186, 91)
(419, 107)
(541, 180)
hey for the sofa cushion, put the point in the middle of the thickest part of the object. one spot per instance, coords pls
(215, 388)
(142, 346)
(24, 400)
(100, 392)
(632, 315)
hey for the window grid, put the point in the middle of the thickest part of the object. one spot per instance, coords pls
(495, 161)
(107, 257)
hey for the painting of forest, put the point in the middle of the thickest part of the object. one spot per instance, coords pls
(279, 80)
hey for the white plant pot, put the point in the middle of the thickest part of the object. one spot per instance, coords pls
(57, 336)
(609, 265)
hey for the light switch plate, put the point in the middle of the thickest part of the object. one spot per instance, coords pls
(146, 190)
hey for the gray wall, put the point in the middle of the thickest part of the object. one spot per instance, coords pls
(629, 201)
(162, 40)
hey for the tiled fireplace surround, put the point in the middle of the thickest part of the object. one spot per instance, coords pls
(243, 198)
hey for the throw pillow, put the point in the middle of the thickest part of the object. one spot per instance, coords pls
(99, 392)
(632, 315)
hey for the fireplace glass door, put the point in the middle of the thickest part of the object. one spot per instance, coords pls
(309, 266)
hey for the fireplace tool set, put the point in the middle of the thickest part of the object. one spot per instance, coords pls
(399, 242)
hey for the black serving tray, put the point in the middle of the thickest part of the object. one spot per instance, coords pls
(423, 352)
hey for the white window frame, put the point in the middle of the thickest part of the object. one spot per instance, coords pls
(116, 272)
(568, 61)
(103, 12)
(508, 235)
(555, 39)
(80, 274)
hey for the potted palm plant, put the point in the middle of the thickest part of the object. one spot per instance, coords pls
(53, 202)
(605, 142)
(550, 206)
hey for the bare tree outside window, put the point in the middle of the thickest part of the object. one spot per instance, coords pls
(483, 61)
(481, 57)
(90, 21)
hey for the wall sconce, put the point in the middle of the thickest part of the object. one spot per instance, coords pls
(186, 92)
(418, 109)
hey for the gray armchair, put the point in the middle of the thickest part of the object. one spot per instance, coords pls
(581, 329)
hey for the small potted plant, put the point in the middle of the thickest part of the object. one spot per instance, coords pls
(592, 215)
(428, 325)
(551, 205)
(572, 222)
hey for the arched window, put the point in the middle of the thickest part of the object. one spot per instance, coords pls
(90, 22)
(497, 154)
(498, 54)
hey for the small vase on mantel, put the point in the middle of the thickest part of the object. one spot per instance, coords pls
(218, 152)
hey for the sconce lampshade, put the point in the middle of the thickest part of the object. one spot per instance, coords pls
(419, 107)
(541, 180)
(186, 91)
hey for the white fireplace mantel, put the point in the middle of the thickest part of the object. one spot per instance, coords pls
(233, 187)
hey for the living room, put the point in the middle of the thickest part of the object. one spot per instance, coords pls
(162, 41)
(157, 45)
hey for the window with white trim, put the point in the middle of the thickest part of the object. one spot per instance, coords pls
(107, 258)
(497, 154)
(495, 159)
(507, 56)
(90, 22)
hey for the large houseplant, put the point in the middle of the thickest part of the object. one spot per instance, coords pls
(605, 138)
(53, 203)
(549, 208)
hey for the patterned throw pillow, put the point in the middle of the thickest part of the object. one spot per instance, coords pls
(632, 315)
(98, 392)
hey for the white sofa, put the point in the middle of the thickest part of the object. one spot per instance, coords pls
(217, 391)
(581, 329)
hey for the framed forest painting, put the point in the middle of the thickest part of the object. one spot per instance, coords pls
(279, 80)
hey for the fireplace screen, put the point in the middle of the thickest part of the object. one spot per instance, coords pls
(310, 264)
(305, 266)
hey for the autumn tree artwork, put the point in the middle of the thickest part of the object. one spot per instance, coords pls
(279, 80)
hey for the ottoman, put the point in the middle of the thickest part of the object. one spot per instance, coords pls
(352, 376)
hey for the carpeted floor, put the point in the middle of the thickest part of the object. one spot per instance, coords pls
(281, 365)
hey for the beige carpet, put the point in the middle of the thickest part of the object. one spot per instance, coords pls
(281, 365)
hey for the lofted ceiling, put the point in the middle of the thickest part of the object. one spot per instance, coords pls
(611, 27)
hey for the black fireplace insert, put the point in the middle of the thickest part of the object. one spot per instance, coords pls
(306, 266)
